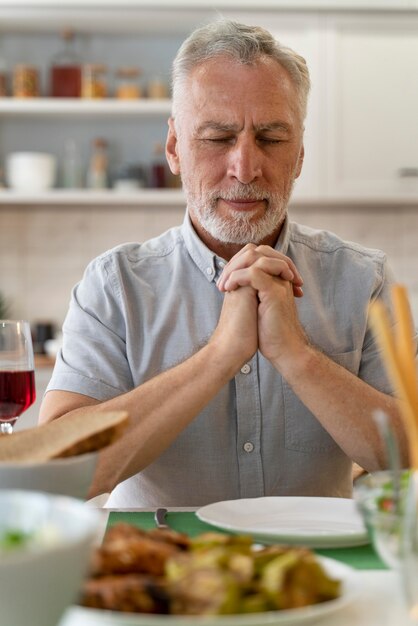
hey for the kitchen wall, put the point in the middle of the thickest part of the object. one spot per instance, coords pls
(43, 252)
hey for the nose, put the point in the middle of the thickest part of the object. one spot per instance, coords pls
(244, 160)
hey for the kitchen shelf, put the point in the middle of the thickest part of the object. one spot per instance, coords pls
(110, 197)
(148, 198)
(83, 107)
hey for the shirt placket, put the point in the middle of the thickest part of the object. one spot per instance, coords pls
(250, 468)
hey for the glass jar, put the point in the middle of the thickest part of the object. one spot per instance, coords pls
(157, 88)
(3, 78)
(3, 83)
(25, 81)
(127, 85)
(94, 81)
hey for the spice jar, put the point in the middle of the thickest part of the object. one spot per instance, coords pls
(157, 88)
(3, 78)
(94, 84)
(3, 84)
(127, 86)
(25, 81)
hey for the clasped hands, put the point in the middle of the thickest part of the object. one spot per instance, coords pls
(260, 286)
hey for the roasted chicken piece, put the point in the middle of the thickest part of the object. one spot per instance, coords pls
(127, 549)
(129, 593)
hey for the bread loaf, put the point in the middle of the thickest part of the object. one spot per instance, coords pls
(65, 436)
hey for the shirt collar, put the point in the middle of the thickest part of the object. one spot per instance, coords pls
(207, 261)
(282, 243)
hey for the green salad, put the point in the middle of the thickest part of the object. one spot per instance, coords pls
(385, 501)
(14, 539)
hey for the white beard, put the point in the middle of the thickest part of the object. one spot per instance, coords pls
(239, 227)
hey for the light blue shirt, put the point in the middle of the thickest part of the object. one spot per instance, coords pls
(143, 308)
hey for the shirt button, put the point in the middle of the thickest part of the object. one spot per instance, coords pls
(246, 369)
(222, 264)
(248, 446)
(209, 271)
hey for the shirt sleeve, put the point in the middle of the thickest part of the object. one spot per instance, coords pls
(93, 359)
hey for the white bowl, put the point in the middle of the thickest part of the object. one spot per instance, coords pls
(38, 583)
(30, 171)
(70, 476)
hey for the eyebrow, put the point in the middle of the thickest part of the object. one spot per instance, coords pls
(224, 127)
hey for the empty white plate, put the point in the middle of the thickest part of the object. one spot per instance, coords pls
(312, 522)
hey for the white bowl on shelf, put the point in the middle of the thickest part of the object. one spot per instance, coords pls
(43, 576)
(30, 171)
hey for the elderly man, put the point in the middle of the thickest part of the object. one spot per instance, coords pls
(238, 342)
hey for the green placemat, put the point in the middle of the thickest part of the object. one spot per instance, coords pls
(360, 557)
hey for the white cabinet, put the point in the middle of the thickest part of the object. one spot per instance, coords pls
(372, 107)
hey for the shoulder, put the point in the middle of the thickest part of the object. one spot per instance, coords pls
(306, 240)
(128, 255)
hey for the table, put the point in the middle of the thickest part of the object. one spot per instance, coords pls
(380, 602)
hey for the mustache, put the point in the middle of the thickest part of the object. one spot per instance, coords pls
(242, 192)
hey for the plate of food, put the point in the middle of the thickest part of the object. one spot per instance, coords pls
(164, 578)
(308, 521)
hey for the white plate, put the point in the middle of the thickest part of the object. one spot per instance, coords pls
(78, 616)
(313, 522)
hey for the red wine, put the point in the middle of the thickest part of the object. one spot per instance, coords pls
(17, 393)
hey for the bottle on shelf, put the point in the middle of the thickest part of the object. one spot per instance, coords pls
(158, 171)
(97, 174)
(71, 166)
(65, 70)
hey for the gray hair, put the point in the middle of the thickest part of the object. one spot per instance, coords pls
(243, 43)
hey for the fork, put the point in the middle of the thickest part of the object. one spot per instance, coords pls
(160, 518)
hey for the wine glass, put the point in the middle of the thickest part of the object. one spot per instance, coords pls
(409, 556)
(17, 372)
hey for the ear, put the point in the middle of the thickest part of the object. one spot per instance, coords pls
(171, 151)
(300, 161)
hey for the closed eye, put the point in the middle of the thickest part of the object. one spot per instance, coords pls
(269, 140)
(219, 139)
